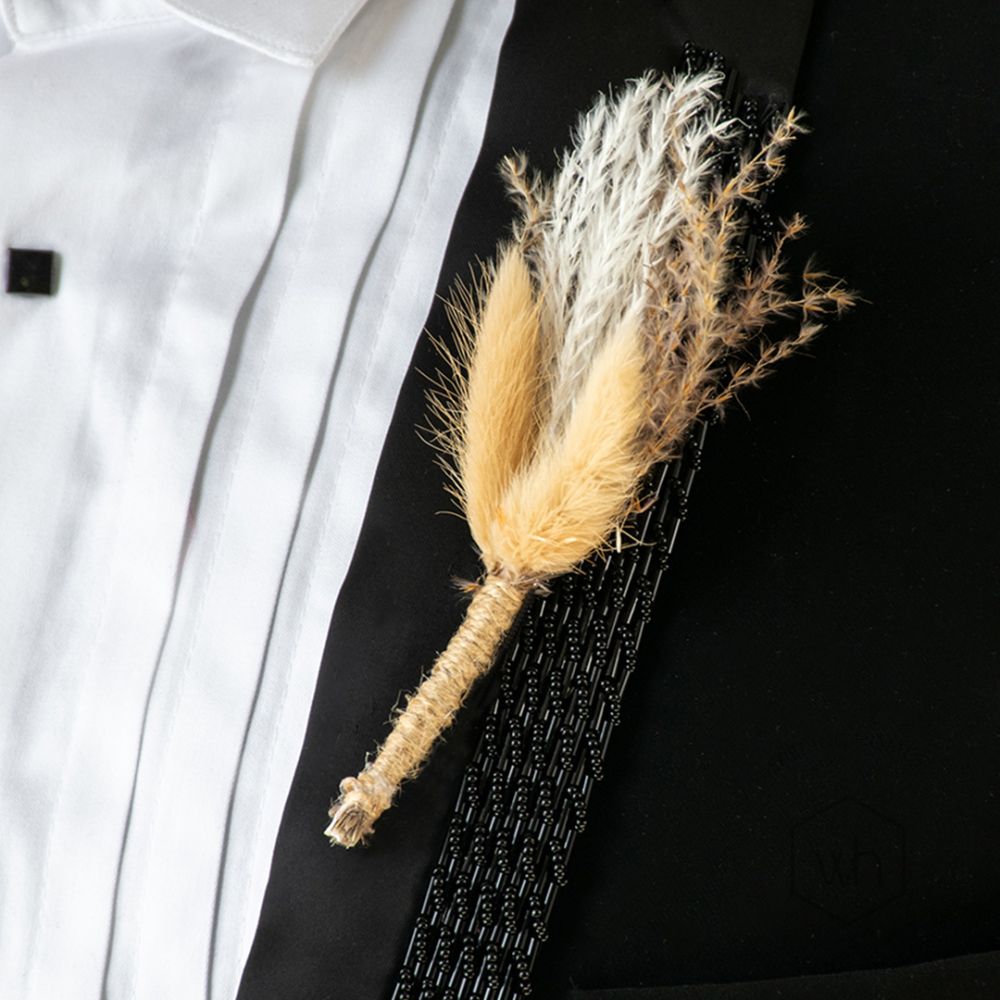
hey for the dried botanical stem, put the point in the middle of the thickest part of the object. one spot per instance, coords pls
(429, 711)
(531, 196)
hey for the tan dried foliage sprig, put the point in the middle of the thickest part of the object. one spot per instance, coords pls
(621, 312)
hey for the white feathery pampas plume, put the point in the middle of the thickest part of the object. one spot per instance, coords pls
(616, 317)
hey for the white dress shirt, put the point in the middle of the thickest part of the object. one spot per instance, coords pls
(249, 202)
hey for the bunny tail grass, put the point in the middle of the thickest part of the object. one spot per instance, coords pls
(429, 711)
(486, 405)
(574, 493)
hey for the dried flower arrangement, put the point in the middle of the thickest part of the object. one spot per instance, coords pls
(622, 311)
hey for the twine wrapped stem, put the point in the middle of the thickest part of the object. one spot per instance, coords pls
(429, 710)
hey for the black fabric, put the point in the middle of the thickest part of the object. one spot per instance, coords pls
(804, 779)
(971, 977)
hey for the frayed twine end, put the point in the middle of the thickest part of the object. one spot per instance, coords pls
(351, 824)
(362, 800)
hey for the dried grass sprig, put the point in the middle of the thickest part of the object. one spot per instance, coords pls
(621, 313)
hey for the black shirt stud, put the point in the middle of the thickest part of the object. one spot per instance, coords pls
(30, 272)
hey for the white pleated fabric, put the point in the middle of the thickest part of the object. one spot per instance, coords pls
(250, 204)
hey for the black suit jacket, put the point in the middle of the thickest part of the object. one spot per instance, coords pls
(801, 800)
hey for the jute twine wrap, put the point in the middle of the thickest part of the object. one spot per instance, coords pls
(429, 711)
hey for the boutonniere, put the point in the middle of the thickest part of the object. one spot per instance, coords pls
(623, 309)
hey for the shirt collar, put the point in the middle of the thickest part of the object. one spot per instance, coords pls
(301, 32)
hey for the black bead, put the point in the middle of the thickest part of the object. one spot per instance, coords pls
(493, 965)
(468, 958)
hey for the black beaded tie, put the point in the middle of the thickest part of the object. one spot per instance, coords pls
(524, 796)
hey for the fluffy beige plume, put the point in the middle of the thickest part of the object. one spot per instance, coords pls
(496, 408)
(565, 504)
(622, 312)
